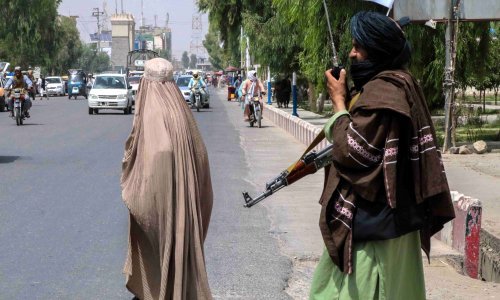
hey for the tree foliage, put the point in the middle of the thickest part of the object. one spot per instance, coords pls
(92, 61)
(193, 60)
(213, 44)
(68, 49)
(33, 34)
(292, 35)
(25, 27)
(185, 60)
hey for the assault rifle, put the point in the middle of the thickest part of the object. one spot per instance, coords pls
(308, 164)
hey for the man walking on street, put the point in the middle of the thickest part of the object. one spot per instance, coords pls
(43, 91)
(386, 192)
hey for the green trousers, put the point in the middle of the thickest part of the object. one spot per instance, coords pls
(390, 269)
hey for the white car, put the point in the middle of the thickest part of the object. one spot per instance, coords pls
(134, 82)
(54, 85)
(136, 73)
(110, 91)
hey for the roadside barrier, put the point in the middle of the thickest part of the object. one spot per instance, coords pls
(463, 232)
(303, 131)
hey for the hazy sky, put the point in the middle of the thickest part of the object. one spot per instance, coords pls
(180, 11)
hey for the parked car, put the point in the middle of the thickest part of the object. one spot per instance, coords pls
(54, 86)
(134, 82)
(183, 82)
(110, 91)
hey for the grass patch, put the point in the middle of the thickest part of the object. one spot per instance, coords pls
(490, 99)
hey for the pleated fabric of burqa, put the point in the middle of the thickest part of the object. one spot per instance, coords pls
(167, 188)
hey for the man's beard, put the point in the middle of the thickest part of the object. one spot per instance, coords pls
(362, 71)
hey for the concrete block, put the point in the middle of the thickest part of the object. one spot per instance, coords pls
(466, 228)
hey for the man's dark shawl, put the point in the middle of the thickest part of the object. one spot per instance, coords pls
(386, 150)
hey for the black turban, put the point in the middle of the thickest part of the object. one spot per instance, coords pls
(382, 38)
(384, 42)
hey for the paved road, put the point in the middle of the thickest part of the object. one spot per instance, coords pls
(63, 227)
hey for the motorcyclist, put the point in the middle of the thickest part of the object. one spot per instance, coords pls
(252, 87)
(19, 81)
(196, 81)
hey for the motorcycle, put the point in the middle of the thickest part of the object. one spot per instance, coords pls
(18, 97)
(197, 98)
(255, 111)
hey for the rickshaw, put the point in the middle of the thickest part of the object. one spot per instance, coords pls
(77, 83)
(231, 73)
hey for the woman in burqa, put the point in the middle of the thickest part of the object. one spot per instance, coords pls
(167, 188)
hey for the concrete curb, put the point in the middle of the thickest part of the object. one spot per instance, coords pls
(462, 234)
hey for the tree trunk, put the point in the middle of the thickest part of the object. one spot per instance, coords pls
(321, 102)
(484, 101)
(311, 95)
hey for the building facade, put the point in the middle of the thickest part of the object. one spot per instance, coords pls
(123, 36)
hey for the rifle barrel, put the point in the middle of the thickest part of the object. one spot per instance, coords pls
(319, 160)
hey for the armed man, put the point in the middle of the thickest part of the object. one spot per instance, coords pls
(386, 192)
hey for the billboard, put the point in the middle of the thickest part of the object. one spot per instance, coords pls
(439, 10)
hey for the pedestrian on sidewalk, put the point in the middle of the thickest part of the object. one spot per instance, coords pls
(287, 91)
(167, 188)
(386, 192)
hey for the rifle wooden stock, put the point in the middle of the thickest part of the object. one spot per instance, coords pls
(301, 171)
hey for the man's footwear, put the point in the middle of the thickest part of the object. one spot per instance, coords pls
(27, 114)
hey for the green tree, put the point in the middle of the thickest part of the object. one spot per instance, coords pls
(213, 44)
(185, 60)
(293, 35)
(193, 60)
(226, 16)
(26, 27)
(68, 49)
(494, 66)
(92, 61)
(165, 54)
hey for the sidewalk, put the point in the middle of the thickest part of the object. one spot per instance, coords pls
(474, 175)
(294, 213)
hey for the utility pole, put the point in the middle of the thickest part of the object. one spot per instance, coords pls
(449, 74)
(97, 13)
(241, 49)
(142, 14)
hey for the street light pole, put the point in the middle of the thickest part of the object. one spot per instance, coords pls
(97, 13)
